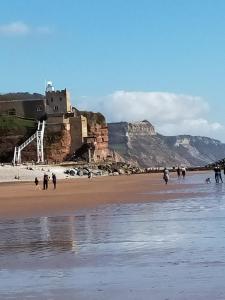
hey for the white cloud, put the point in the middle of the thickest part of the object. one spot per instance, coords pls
(156, 106)
(14, 28)
(194, 127)
(44, 30)
(171, 113)
(22, 29)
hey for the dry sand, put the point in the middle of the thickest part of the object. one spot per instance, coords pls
(8, 173)
(20, 199)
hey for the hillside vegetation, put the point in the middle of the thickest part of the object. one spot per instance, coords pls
(20, 96)
(13, 125)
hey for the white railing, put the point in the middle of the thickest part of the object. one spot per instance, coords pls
(39, 136)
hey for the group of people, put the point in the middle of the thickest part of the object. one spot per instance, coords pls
(45, 181)
(180, 172)
(218, 175)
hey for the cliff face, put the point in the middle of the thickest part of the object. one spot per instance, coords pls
(143, 128)
(123, 134)
(197, 150)
(130, 141)
(57, 144)
(98, 134)
(140, 144)
(57, 139)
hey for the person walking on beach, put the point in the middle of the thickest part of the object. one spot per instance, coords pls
(183, 172)
(36, 181)
(166, 175)
(45, 182)
(54, 180)
(90, 174)
(178, 172)
(218, 175)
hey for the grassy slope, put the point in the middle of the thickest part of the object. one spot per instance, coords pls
(12, 125)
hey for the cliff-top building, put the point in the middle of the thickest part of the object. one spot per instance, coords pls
(67, 129)
(54, 102)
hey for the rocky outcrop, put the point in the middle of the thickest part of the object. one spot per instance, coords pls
(57, 145)
(97, 135)
(120, 130)
(123, 134)
(139, 144)
(100, 134)
(197, 150)
(144, 128)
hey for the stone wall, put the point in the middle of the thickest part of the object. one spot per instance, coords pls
(56, 123)
(57, 144)
(101, 139)
(34, 109)
(78, 131)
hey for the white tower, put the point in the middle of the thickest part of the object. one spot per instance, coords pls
(49, 87)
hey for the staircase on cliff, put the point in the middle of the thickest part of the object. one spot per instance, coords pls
(39, 136)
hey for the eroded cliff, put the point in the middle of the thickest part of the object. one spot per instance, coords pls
(140, 144)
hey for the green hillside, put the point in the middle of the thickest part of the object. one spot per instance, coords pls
(13, 125)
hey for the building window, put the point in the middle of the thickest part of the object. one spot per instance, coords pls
(60, 98)
(56, 108)
(38, 108)
(51, 99)
(12, 112)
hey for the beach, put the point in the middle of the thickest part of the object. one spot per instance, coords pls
(21, 199)
(25, 173)
(115, 237)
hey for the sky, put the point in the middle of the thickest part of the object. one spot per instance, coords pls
(161, 60)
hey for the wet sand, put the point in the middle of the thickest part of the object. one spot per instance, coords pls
(130, 247)
(22, 200)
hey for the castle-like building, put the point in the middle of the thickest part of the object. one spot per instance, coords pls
(67, 129)
(54, 103)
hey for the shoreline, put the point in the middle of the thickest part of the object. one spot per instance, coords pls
(28, 172)
(21, 200)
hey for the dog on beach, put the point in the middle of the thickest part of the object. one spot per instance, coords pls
(208, 180)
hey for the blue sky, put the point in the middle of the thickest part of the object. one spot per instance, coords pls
(96, 48)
